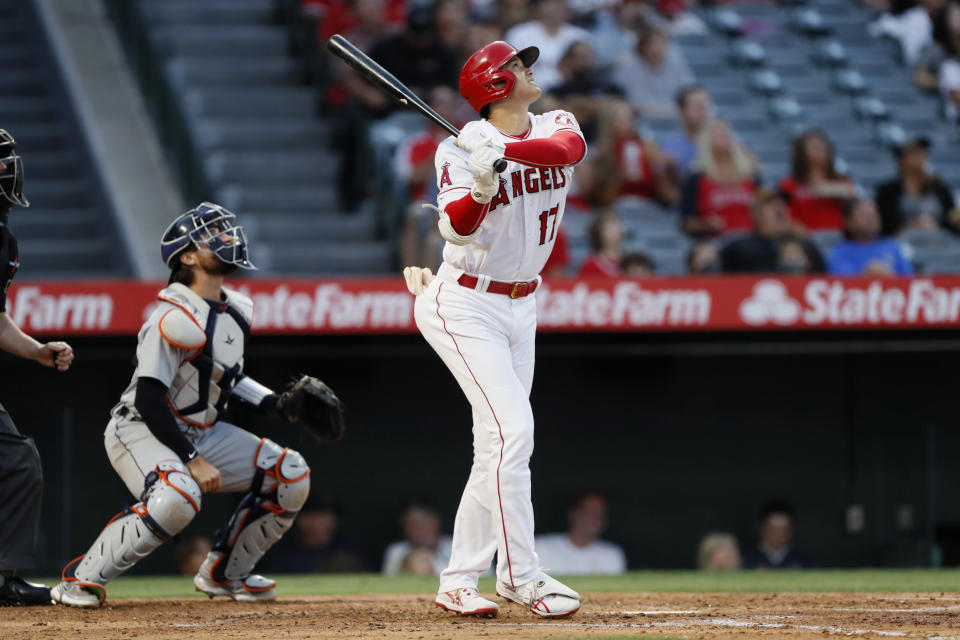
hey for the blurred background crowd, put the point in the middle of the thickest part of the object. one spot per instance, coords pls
(723, 137)
(317, 545)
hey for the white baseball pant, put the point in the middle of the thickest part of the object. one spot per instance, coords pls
(487, 342)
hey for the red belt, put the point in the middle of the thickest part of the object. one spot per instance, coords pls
(512, 289)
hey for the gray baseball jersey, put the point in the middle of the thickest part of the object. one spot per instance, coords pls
(195, 347)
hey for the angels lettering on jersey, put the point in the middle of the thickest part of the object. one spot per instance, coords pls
(516, 236)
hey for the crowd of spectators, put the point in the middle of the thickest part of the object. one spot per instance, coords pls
(614, 66)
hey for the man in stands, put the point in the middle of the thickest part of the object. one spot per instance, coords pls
(864, 252)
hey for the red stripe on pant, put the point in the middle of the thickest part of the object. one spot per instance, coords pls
(506, 543)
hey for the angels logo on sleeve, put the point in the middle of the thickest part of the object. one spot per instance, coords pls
(445, 175)
(566, 121)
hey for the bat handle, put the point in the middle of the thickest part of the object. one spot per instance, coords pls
(500, 165)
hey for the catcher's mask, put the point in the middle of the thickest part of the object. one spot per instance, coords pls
(208, 228)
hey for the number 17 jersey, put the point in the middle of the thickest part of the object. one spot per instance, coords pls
(516, 237)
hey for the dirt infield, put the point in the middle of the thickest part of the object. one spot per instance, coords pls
(384, 617)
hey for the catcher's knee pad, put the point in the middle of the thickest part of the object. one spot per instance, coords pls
(280, 487)
(170, 500)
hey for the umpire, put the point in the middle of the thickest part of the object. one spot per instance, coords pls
(21, 478)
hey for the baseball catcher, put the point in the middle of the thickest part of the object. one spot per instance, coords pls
(21, 477)
(167, 442)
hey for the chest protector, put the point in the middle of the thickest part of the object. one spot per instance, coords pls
(214, 334)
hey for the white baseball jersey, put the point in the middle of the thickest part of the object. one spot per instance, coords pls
(517, 235)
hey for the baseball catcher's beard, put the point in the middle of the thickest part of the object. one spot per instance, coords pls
(214, 266)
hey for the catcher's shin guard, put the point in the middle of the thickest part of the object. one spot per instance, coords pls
(280, 487)
(169, 502)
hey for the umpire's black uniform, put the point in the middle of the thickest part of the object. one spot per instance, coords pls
(21, 477)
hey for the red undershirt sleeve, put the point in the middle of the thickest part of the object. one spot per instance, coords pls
(559, 150)
(466, 214)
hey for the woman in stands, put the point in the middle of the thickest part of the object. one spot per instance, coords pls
(815, 191)
(631, 165)
(717, 195)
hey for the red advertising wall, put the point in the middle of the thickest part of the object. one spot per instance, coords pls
(727, 303)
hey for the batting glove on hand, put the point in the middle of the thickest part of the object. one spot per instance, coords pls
(478, 134)
(417, 279)
(486, 181)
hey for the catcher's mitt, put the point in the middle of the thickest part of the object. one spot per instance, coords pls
(313, 404)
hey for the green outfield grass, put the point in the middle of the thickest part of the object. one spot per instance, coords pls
(875, 580)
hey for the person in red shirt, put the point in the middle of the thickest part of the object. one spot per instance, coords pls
(717, 195)
(631, 165)
(606, 240)
(814, 190)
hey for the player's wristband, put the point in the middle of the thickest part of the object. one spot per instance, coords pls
(190, 456)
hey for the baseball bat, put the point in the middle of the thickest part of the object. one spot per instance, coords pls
(383, 79)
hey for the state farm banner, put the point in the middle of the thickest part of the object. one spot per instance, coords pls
(720, 303)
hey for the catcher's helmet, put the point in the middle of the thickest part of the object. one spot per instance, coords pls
(207, 227)
(11, 177)
(482, 71)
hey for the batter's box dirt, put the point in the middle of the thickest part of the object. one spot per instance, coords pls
(385, 617)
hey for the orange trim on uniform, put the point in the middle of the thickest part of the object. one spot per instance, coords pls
(138, 511)
(273, 507)
(165, 474)
(243, 521)
(259, 589)
(187, 420)
(110, 522)
(219, 560)
(176, 344)
(63, 574)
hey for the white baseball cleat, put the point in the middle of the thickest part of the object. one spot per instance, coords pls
(73, 594)
(251, 588)
(544, 596)
(466, 602)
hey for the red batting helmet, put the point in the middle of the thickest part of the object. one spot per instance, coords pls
(482, 71)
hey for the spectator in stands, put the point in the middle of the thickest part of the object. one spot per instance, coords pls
(606, 241)
(579, 550)
(863, 251)
(815, 190)
(652, 76)
(190, 554)
(422, 530)
(913, 28)
(718, 551)
(413, 166)
(717, 195)
(926, 68)
(615, 30)
(317, 547)
(915, 199)
(949, 79)
(418, 562)
(630, 165)
(776, 524)
(771, 247)
(417, 56)
(695, 107)
(584, 87)
(552, 34)
(451, 20)
(703, 258)
(510, 13)
(637, 264)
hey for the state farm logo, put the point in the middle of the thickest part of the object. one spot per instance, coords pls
(769, 303)
(41, 311)
(840, 302)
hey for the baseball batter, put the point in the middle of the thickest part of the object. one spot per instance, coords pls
(166, 440)
(480, 315)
